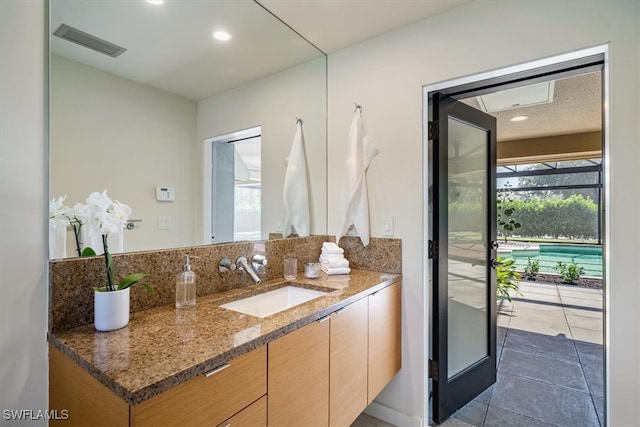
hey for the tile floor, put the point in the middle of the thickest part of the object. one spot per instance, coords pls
(550, 361)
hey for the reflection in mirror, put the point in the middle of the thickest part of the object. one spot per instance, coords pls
(236, 182)
(146, 118)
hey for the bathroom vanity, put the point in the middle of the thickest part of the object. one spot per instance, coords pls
(320, 362)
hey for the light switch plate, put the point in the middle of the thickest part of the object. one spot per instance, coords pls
(164, 223)
(387, 225)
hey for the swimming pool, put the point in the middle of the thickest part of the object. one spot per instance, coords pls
(548, 255)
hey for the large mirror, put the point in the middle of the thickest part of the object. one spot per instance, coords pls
(145, 122)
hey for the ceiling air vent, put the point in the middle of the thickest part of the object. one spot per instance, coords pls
(523, 96)
(89, 41)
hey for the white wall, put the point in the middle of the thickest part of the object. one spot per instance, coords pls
(274, 102)
(386, 74)
(23, 195)
(108, 132)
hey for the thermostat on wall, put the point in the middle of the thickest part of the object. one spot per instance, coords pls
(165, 194)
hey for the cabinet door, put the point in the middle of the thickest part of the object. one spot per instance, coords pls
(85, 400)
(385, 332)
(208, 400)
(298, 387)
(253, 416)
(348, 363)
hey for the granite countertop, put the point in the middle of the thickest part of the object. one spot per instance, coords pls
(164, 346)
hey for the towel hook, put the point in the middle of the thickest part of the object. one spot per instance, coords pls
(299, 120)
(358, 107)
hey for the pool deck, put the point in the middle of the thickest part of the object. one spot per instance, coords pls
(550, 361)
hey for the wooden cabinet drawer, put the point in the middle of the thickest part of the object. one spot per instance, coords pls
(253, 416)
(208, 400)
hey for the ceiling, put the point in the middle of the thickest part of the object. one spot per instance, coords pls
(576, 108)
(335, 24)
(170, 47)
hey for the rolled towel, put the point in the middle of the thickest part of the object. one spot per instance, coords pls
(333, 262)
(335, 271)
(331, 248)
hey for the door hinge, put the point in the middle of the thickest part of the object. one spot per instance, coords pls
(433, 369)
(433, 249)
(433, 130)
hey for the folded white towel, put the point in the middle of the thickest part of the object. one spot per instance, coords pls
(334, 271)
(333, 262)
(331, 248)
(330, 255)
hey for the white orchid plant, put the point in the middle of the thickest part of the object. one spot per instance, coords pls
(61, 216)
(102, 216)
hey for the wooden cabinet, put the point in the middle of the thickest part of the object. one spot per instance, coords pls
(323, 374)
(86, 400)
(253, 416)
(298, 389)
(204, 400)
(348, 363)
(385, 337)
(208, 399)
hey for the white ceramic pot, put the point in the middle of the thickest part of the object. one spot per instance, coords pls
(111, 309)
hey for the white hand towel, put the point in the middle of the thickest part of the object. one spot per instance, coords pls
(295, 194)
(335, 271)
(360, 154)
(334, 261)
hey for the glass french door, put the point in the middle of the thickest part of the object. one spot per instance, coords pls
(463, 252)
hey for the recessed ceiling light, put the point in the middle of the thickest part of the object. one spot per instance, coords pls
(518, 118)
(221, 35)
(155, 1)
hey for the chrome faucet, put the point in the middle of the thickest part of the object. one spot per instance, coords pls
(244, 265)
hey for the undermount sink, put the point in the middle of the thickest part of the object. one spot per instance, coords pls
(271, 302)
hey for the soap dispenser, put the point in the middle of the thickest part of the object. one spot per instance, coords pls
(186, 286)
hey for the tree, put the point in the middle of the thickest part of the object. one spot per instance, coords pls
(507, 224)
(560, 179)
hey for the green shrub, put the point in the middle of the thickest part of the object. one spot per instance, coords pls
(507, 278)
(574, 217)
(569, 272)
(532, 269)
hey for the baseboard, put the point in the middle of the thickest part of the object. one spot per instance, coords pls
(392, 416)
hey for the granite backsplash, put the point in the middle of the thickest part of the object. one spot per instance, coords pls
(71, 281)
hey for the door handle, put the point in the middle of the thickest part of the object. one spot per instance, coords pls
(494, 263)
(494, 245)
